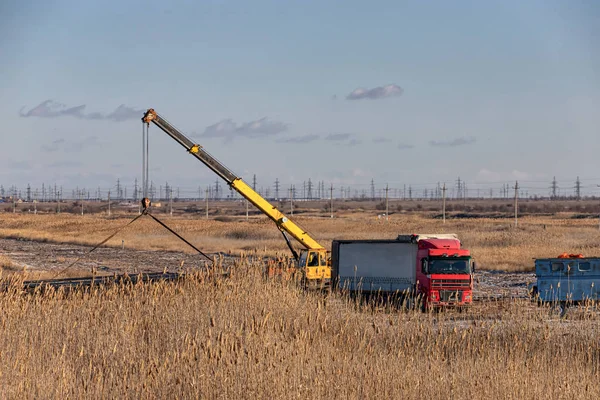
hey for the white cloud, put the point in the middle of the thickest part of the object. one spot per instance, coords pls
(53, 109)
(461, 141)
(338, 137)
(300, 139)
(228, 129)
(378, 92)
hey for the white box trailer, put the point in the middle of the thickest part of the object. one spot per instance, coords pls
(374, 265)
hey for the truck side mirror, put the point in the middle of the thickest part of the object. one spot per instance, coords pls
(474, 267)
(424, 268)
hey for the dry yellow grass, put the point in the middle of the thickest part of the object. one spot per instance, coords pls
(246, 338)
(5, 262)
(494, 243)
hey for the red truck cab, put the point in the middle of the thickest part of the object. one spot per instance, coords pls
(444, 272)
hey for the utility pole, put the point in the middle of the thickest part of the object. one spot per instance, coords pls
(109, 203)
(206, 198)
(119, 195)
(171, 200)
(372, 189)
(516, 201)
(81, 200)
(387, 210)
(554, 188)
(292, 200)
(331, 199)
(444, 203)
(577, 189)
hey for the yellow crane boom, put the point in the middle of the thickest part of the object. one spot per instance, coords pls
(235, 182)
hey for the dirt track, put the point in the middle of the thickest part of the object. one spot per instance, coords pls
(37, 256)
(54, 257)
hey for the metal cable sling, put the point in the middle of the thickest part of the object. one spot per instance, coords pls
(96, 246)
(146, 210)
(145, 204)
(180, 237)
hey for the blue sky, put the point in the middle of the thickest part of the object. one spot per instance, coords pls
(341, 91)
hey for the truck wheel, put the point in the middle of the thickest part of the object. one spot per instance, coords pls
(533, 293)
(426, 308)
(564, 308)
(560, 308)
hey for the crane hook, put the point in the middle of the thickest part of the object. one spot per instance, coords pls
(146, 205)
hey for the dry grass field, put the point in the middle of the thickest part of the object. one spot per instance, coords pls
(244, 337)
(247, 338)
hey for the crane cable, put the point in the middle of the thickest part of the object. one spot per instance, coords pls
(145, 212)
(96, 246)
(146, 201)
(180, 237)
(145, 205)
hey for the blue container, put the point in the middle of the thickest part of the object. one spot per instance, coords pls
(567, 279)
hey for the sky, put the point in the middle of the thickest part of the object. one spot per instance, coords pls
(345, 92)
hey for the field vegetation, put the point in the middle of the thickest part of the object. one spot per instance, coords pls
(246, 337)
(243, 337)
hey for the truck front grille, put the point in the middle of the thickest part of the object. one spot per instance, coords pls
(450, 283)
(450, 296)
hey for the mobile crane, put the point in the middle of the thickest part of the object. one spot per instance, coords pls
(314, 261)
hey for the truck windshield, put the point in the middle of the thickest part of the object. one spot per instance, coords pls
(450, 265)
